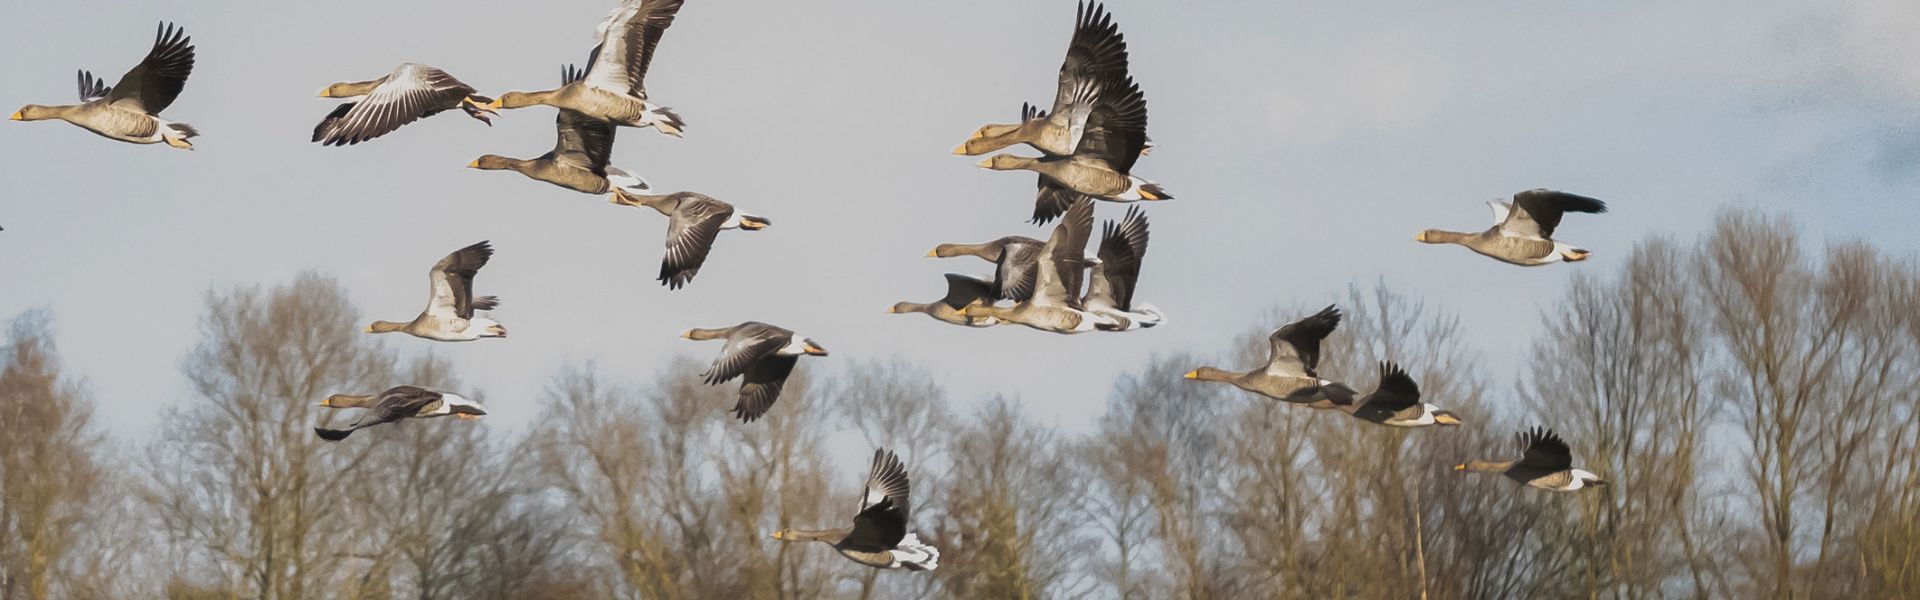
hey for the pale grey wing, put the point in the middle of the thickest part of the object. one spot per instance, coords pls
(152, 85)
(628, 38)
(408, 94)
(1122, 246)
(691, 230)
(1295, 347)
(452, 281)
(1063, 262)
(1501, 211)
(1096, 53)
(1018, 272)
(747, 344)
(92, 88)
(583, 142)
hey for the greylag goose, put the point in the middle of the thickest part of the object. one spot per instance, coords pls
(1056, 305)
(1110, 289)
(762, 354)
(400, 402)
(962, 292)
(1289, 375)
(1101, 166)
(579, 157)
(130, 110)
(1052, 199)
(1545, 463)
(878, 537)
(614, 89)
(1016, 263)
(411, 92)
(1522, 232)
(1096, 54)
(449, 316)
(1396, 403)
(693, 221)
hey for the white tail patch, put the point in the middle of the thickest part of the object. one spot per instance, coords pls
(912, 554)
(627, 181)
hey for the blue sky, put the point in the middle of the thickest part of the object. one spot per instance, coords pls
(1307, 142)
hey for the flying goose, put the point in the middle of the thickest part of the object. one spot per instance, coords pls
(1096, 53)
(1016, 261)
(693, 221)
(878, 537)
(1110, 289)
(1396, 403)
(1545, 463)
(1290, 376)
(449, 316)
(614, 89)
(962, 292)
(411, 92)
(1101, 166)
(579, 157)
(1053, 199)
(1056, 305)
(1522, 232)
(129, 111)
(399, 402)
(763, 354)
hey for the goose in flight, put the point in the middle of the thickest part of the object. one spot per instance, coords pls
(614, 89)
(878, 537)
(1110, 288)
(1016, 260)
(1289, 375)
(1096, 53)
(1545, 462)
(400, 402)
(449, 316)
(962, 292)
(1056, 305)
(380, 106)
(130, 110)
(1396, 403)
(763, 355)
(579, 157)
(1522, 232)
(693, 221)
(1101, 166)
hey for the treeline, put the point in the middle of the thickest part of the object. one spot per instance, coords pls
(1751, 398)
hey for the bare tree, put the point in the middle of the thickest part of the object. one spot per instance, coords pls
(1008, 527)
(51, 480)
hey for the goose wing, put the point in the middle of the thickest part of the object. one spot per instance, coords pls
(409, 93)
(1063, 261)
(395, 404)
(1295, 347)
(583, 142)
(691, 230)
(882, 520)
(747, 343)
(1545, 454)
(1117, 128)
(1017, 272)
(1052, 200)
(963, 291)
(628, 37)
(1398, 392)
(1122, 246)
(1536, 213)
(452, 282)
(1096, 54)
(152, 85)
(92, 88)
(762, 384)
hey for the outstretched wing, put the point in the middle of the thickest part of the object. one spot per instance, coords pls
(152, 85)
(1097, 54)
(409, 93)
(1545, 452)
(628, 38)
(583, 142)
(747, 344)
(762, 385)
(1397, 392)
(691, 229)
(1018, 271)
(1122, 246)
(1537, 212)
(1295, 347)
(452, 281)
(92, 88)
(1052, 200)
(1117, 128)
(1063, 261)
(882, 520)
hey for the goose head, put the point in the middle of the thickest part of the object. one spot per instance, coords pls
(31, 112)
(986, 139)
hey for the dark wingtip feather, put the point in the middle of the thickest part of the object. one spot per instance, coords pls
(332, 435)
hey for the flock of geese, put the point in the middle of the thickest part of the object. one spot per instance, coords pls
(1089, 141)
